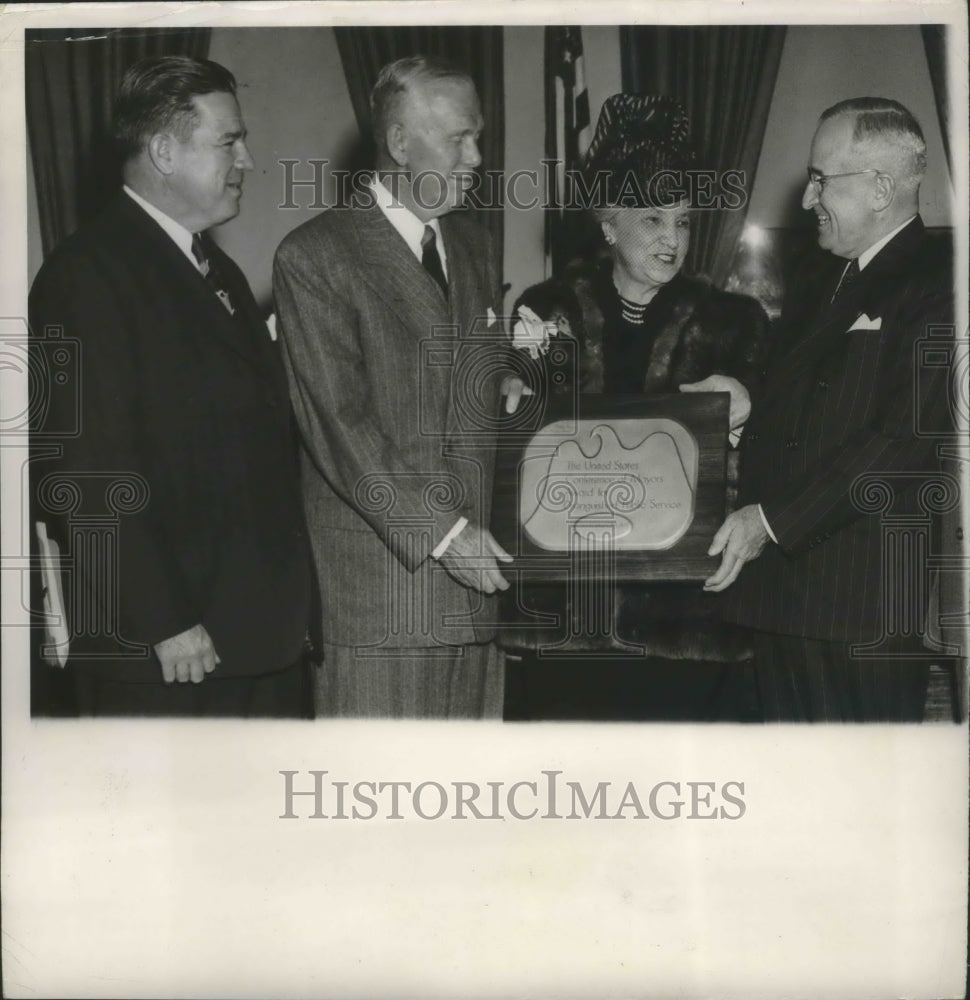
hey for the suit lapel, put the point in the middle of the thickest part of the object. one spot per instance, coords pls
(398, 279)
(464, 299)
(464, 285)
(832, 322)
(244, 330)
(240, 333)
(396, 276)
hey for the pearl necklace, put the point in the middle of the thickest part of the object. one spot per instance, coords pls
(633, 312)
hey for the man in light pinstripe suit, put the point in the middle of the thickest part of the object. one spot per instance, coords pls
(845, 431)
(387, 317)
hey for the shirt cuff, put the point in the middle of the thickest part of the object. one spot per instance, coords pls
(442, 547)
(764, 521)
(733, 436)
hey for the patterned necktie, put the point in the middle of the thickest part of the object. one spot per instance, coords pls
(432, 261)
(849, 277)
(210, 272)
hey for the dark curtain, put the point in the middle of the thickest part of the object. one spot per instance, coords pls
(725, 78)
(934, 42)
(71, 79)
(946, 600)
(476, 50)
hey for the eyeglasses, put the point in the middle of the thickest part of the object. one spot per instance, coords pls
(818, 181)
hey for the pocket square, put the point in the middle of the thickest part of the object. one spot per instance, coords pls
(491, 316)
(865, 323)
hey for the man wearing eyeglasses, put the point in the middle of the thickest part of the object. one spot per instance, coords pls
(843, 438)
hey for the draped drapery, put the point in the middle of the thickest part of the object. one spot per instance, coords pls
(934, 42)
(946, 591)
(725, 78)
(476, 50)
(71, 79)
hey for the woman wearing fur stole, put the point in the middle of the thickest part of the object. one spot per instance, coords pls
(639, 326)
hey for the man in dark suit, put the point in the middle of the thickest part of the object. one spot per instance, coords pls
(845, 429)
(197, 602)
(387, 312)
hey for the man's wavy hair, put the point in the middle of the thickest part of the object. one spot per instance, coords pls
(156, 95)
(396, 79)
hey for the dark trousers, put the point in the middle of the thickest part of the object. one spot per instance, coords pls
(283, 694)
(813, 680)
(639, 689)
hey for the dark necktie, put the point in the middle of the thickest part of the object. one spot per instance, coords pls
(431, 260)
(210, 272)
(849, 277)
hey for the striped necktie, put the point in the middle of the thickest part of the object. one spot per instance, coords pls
(210, 272)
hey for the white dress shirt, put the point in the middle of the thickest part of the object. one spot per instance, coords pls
(408, 225)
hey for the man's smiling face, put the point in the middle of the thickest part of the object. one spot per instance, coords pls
(208, 166)
(846, 222)
(442, 124)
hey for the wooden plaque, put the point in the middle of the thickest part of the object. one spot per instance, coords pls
(630, 488)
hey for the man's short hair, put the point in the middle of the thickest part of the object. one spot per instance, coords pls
(156, 96)
(883, 120)
(397, 78)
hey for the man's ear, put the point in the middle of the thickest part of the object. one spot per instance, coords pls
(160, 150)
(396, 140)
(884, 191)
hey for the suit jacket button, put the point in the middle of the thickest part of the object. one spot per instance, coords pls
(751, 438)
(822, 384)
(791, 443)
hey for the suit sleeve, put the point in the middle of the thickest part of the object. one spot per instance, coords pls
(75, 294)
(333, 399)
(752, 343)
(910, 402)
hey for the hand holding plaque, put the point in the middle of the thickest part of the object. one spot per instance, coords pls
(740, 399)
(472, 558)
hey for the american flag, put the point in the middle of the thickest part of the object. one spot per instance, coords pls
(567, 137)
